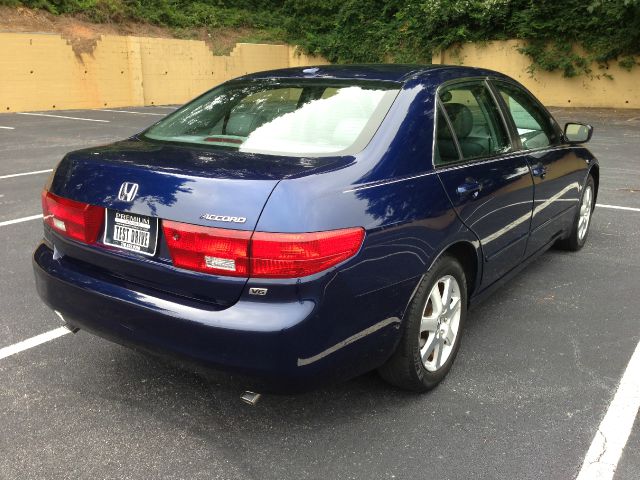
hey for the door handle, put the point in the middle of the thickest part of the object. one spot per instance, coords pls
(539, 170)
(469, 187)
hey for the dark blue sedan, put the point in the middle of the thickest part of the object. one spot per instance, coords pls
(305, 226)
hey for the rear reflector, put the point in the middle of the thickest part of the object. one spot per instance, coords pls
(76, 220)
(263, 255)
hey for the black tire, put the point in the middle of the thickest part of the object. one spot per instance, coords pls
(574, 242)
(405, 368)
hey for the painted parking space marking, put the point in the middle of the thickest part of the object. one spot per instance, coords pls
(20, 220)
(617, 207)
(13, 175)
(32, 342)
(62, 116)
(7, 128)
(612, 435)
(131, 111)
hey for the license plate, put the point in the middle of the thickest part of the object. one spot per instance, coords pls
(130, 231)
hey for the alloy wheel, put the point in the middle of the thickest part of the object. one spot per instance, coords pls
(585, 212)
(440, 323)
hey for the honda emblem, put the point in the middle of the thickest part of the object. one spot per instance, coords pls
(128, 191)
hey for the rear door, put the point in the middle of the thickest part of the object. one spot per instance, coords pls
(557, 172)
(488, 184)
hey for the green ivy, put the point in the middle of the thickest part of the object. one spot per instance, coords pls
(564, 36)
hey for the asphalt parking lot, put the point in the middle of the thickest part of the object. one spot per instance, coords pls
(539, 365)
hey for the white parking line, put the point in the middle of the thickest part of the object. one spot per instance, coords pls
(13, 175)
(612, 435)
(61, 116)
(129, 111)
(7, 128)
(20, 220)
(32, 342)
(617, 207)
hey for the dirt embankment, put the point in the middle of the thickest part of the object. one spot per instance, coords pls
(83, 35)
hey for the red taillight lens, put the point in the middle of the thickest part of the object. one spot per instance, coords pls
(263, 255)
(76, 220)
(290, 255)
(210, 250)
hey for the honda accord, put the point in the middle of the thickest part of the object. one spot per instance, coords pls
(307, 225)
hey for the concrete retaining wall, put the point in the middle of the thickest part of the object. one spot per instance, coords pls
(42, 72)
(623, 91)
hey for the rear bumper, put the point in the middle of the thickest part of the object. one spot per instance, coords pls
(275, 344)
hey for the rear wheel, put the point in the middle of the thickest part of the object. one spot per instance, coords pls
(432, 329)
(578, 236)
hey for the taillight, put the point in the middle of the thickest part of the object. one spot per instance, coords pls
(290, 255)
(261, 255)
(210, 250)
(76, 220)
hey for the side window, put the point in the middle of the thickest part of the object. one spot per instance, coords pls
(446, 150)
(475, 119)
(534, 126)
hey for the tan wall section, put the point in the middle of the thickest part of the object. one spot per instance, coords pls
(623, 91)
(42, 72)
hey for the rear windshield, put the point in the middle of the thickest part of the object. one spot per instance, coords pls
(306, 117)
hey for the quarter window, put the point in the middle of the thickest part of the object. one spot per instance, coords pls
(535, 128)
(476, 122)
(446, 150)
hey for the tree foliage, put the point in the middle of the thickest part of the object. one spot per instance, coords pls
(567, 36)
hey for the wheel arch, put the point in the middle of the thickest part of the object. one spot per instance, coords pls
(469, 254)
(594, 171)
(469, 257)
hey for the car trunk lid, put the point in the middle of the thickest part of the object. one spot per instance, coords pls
(190, 185)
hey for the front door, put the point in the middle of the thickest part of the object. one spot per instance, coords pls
(490, 187)
(557, 172)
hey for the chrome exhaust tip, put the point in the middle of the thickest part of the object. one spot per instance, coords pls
(70, 328)
(250, 398)
(65, 324)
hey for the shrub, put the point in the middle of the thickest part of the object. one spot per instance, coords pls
(401, 31)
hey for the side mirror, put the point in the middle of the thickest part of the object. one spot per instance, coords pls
(577, 132)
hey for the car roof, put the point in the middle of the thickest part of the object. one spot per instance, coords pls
(380, 72)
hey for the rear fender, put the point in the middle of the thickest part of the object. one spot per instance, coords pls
(468, 238)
